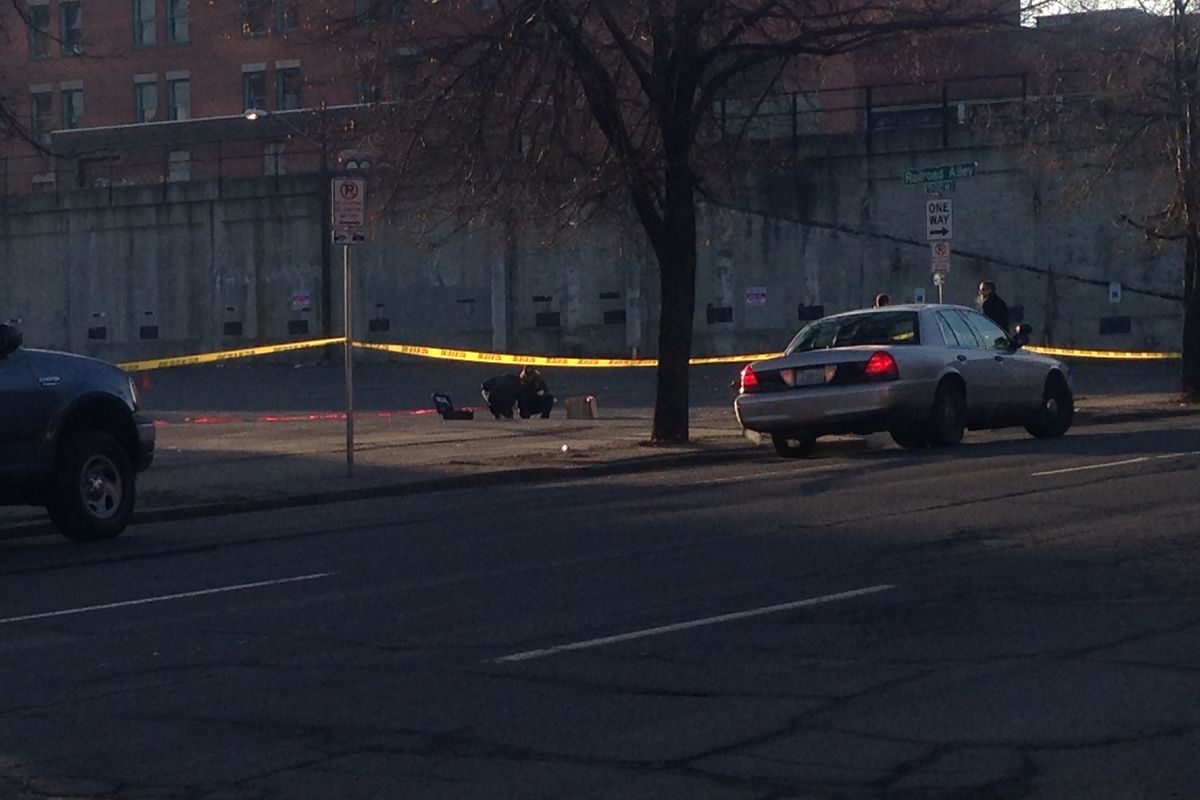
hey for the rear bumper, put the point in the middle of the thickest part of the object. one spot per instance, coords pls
(145, 432)
(834, 409)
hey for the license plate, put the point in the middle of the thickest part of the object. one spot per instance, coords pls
(810, 376)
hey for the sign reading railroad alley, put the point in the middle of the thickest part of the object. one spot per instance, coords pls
(940, 174)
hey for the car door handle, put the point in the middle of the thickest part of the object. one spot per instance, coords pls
(961, 357)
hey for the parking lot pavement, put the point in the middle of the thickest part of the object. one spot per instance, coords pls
(244, 437)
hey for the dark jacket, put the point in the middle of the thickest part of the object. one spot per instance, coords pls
(502, 393)
(996, 310)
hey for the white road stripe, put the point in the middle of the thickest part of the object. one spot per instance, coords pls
(1108, 464)
(162, 598)
(1179, 455)
(1091, 466)
(695, 623)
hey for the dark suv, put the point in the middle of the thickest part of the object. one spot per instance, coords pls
(70, 438)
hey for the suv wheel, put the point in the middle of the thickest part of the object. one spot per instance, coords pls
(93, 490)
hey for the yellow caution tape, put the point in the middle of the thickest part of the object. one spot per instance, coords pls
(540, 361)
(746, 359)
(223, 355)
(1118, 355)
(450, 354)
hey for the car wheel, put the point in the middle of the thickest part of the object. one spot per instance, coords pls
(1057, 412)
(93, 488)
(795, 444)
(910, 437)
(948, 418)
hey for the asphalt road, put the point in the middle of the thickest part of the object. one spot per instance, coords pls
(1010, 618)
(408, 383)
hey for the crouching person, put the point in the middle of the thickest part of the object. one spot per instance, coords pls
(502, 393)
(535, 397)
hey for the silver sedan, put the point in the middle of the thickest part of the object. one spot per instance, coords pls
(925, 373)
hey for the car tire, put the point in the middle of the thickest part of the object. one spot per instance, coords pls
(910, 437)
(1057, 412)
(793, 444)
(948, 417)
(93, 489)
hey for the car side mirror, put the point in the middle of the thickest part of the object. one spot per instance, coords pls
(1021, 335)
(10, 340)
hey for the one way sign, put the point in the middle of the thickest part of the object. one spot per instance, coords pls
(939, 220)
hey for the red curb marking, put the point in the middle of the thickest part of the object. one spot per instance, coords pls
(331, 415)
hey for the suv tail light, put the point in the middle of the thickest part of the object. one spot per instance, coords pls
(881, 366)
(749, 379)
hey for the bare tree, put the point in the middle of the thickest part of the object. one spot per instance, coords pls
(1129, 98)
(579, 101)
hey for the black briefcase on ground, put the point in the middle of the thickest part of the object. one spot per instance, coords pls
(445, 407)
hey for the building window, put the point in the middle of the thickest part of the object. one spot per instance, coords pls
(39, 31)
(146, 94)
(287, 86)
(375, 10)
(255, 15)
(254, 89)
(72, 108)
(365, 10)
(179, 166)
(177, 21)
(41, 117)
(368, 86)
(179, 99)
(273, 159)
(145, 27)
(287, 15)
(70, 21)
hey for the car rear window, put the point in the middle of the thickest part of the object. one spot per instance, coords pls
(850, 330)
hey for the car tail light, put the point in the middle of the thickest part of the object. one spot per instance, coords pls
(881, 366)
(749, 379)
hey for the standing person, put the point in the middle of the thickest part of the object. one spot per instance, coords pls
(501, 393)
(535, 397)
(882, 299)
(992, 306)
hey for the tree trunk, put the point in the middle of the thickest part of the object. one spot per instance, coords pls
(1190, 377)
(675, 247)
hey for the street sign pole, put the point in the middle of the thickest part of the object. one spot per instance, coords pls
(939, 280)
(348, 356)
(347, 228)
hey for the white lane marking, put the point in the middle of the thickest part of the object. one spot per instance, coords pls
(695, 623)
(1178, 455)
(1091, 466)
(1108, 464)
(164, 597)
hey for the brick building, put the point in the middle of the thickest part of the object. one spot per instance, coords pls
(122, 85)
(112, 64)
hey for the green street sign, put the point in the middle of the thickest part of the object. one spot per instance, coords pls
(940, 174)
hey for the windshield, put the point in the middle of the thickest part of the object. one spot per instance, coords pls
(875, 327)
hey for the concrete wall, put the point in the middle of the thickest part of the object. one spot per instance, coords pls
(192, 258)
